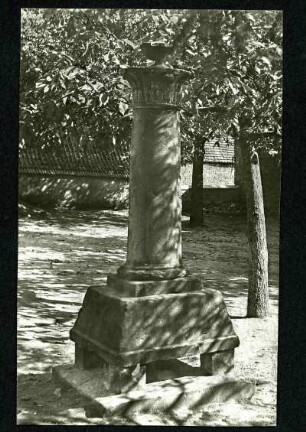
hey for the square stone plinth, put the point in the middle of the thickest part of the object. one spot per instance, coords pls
(125, 331)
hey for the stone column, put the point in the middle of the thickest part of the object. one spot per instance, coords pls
(151, 311)
(154, 237)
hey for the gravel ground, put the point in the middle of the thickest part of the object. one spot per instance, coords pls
(64, 252)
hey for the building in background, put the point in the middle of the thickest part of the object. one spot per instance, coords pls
(218, 167)
(86, 176)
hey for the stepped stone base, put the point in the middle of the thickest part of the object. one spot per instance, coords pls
(190, 393)
(132, 288)
(90, 383)
(187, 392)
(109, 379)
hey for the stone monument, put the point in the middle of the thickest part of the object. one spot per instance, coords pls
(152, 310)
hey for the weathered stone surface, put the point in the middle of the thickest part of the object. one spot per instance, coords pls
(156, 87)
(89, 383)
(217, 363)
(86, 358)
(150, 272)
(154, 249)
(220, 363)
(189, 393)
(154, 239)
(161, 370)
(128, 330)
(129, 288)
(100, 381)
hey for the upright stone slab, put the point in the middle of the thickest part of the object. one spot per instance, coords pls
(152, 310)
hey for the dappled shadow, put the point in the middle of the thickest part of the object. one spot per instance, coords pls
(155, 204)
(62, 255)
(59, 258)
(176, 401)
(39, 394)
(72, 217)
(74, 191)
(218, 254)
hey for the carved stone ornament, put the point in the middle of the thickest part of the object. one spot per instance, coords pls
(156, 86)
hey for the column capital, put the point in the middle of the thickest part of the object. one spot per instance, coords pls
(156, 86)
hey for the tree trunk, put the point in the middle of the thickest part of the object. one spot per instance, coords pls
(196, 211)
(258, 293)
(237, 164)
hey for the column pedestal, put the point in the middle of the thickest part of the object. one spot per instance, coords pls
(129, 328)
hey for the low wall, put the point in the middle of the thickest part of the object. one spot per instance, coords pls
(213, 195)
(101, 193)
(235, 195)
(219, 175)
(73, 192)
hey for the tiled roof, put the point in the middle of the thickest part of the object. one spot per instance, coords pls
(219, 150)
(71, 160)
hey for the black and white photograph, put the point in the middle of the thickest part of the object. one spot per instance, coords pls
(149, 186)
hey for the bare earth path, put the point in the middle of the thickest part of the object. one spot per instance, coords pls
(65, 252)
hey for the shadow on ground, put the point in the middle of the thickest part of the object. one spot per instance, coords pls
(62, 253)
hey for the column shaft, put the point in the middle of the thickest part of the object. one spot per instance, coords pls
(154, 237)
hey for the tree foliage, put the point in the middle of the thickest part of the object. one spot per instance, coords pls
(237, 63)
(71, 85)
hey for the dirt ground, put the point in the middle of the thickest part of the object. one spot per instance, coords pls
(62, 253)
